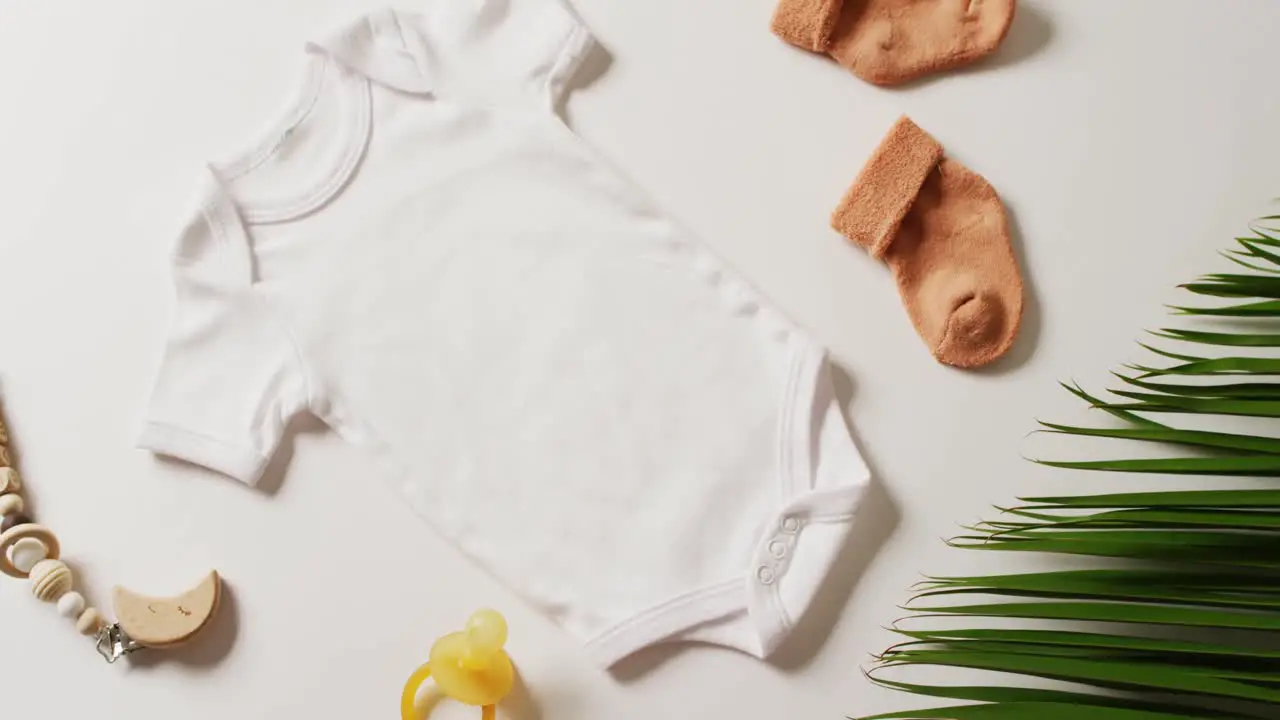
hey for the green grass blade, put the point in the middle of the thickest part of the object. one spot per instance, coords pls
(1256, 499)
(1244, 281)
(1068, 585)
(1098, 641)
(1221, 339)
(1170, 355)
(1206, 406)
(1118, 613)
(1223, 366)
(1237, 256)
(1258, 250)
(1154, 519)
(1197, 438)
(1147, 678)
(1104, 673)
(1268, 466)
(1258, 239)
(1258, 287)
(1264, 233)
(1265, 309)
(1121, 414)
(1007, 695)
(1252, 391)
(1264, 673)
(1110, 548)
(1033, 710)
(1187, 540)
(904, 652)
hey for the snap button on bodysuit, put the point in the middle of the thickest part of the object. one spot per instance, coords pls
(766, 575)
(790, 524)
(778, 549)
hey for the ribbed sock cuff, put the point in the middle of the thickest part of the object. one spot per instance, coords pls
(872, 210)
(806, 23)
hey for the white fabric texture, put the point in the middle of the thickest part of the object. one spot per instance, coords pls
(560, 380)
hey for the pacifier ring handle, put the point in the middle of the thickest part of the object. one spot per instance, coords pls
(409, 698)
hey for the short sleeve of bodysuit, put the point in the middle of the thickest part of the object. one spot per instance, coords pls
(229, 378)
(562, 381)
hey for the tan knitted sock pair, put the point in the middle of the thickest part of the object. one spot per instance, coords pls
(939, 226)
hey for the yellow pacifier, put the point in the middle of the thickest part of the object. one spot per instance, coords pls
(469, 666)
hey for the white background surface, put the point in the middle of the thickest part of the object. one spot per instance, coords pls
(1130, 141)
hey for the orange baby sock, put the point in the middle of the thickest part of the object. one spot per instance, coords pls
(887, 42)
(943, 232)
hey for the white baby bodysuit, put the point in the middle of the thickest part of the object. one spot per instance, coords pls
(566, 385)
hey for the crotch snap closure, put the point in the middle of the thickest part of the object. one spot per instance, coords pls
(778, 549)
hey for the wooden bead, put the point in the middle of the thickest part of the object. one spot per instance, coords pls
(15, 535)
(10, 481)
(71, 605)
(6, 460)
(4, 433)
(11, 504)
(12, 521)
(26, 553)
(50, 579)
(90, 622)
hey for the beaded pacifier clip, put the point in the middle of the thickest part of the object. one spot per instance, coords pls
(31, 551)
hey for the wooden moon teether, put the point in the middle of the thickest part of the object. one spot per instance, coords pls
(32, 552)
(167, 622)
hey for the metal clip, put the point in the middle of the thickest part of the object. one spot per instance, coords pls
(113, 643)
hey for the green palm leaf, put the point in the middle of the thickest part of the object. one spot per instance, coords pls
(1181, 616)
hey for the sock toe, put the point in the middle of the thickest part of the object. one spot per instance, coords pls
(978, 331)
